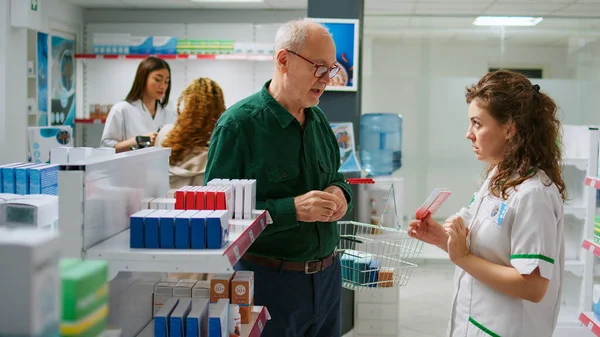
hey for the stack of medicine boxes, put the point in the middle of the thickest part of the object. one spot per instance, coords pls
(200, 219)
(28, 178)
(185, 313)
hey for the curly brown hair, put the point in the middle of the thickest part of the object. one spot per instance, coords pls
(203, 105)
(510, 97)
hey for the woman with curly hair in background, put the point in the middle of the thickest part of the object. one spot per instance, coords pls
(508, 244)
(188, 138)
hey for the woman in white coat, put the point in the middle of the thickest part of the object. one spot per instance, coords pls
(144, 111)
(508, 243)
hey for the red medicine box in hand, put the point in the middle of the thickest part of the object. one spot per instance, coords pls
(433, 203)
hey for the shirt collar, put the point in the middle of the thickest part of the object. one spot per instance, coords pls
(283, 116)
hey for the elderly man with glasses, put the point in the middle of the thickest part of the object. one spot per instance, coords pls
(280, 137)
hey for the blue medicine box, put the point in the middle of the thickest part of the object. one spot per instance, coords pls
(198, 229)
(167, 229)
(182, 229)
(217, 229)
(136, 228)
(151, 228)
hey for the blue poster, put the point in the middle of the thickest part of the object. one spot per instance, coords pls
(345, 35)
(344, 134)
(42, 79)
(62, 87)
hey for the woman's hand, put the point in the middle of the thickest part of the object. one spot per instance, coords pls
(429, 231)
(457, 238)
(152, 136)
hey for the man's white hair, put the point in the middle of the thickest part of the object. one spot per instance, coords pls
(292, 35)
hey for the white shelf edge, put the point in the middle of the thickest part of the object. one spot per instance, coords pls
(116, 250)
(579, 163)
(579, 211)
(575, 267)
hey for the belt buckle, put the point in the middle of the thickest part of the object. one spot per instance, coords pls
(307, 264)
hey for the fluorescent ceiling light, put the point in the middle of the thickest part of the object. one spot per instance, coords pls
(507, 21)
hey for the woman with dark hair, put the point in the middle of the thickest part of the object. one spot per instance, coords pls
(144, 111)
(508, 244)
(188, 139)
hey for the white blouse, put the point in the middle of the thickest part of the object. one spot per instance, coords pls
(128, 120)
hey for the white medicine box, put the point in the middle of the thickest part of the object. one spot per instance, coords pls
(30, 286)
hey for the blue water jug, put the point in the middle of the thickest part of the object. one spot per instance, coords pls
(380, 143)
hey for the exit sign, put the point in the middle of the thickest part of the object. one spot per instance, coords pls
(34, 5)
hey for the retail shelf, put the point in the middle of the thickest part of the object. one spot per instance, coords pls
(577, 211)
(593, 181)
(575, 267)
(241, 57)
(260, 315)
(589, 320)
(89, 121)
(121, 257)
(579, 163)
(592, 247)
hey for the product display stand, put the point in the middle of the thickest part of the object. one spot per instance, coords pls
(580, 160)
(96, 200)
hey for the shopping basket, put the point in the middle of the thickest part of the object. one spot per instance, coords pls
(374, 256)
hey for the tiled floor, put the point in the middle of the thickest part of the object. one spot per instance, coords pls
(425, 301)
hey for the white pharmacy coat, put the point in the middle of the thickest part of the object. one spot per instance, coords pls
(525, 231)
(127, 120)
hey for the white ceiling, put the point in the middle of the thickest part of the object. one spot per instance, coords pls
(566, 22)
(568, 8)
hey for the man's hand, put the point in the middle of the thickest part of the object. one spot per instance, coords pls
(316, 206)
(342, 205)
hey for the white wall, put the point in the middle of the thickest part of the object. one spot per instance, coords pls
(57, 16)
(425, 83)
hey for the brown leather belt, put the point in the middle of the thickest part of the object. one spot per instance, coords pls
(308, 267)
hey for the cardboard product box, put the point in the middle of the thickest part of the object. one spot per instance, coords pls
(30, 288)
(201, 290)
(197, 319)
(220, 286)
(183, 288)
(242, 294)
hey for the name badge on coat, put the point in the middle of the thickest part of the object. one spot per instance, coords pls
(498, 213)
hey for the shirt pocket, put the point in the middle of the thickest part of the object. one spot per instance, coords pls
(283, 172)
(326, 173)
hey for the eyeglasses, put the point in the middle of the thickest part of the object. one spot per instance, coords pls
(320, 69)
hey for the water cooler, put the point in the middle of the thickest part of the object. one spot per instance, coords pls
(377, 313)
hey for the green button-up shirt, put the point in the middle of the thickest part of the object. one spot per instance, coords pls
(259, 139)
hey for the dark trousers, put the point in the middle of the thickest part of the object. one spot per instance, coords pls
(300, 305)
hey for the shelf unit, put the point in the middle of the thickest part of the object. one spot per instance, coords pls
(587, 318)
(96, 199)
(120, 257)
(237, 57)
(260, 315)
(580, 160)
(590, 322)
(106, 78)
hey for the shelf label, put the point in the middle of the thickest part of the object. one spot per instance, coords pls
(590, 326)
(251, 234)
(192, 56)
(262, 222)
(260, 325)
(236, 252)
(592, 247)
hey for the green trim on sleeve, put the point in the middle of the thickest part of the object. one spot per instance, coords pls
(482, 328)
(532, 256)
